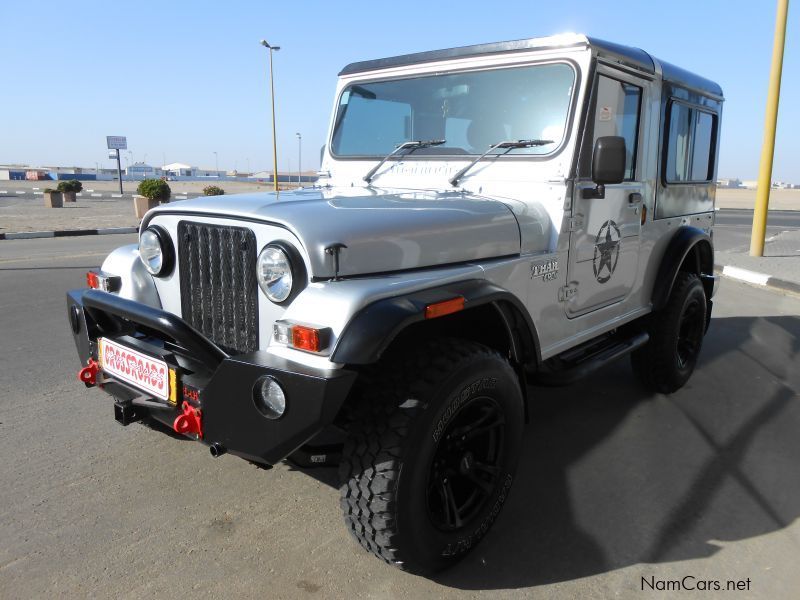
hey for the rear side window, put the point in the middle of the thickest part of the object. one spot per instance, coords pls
(690, 144)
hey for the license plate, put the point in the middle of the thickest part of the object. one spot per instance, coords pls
(148, 374)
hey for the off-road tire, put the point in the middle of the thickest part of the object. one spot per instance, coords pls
(399, 421)
(660, 364)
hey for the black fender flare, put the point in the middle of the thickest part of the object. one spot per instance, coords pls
(685, 240)
(375, 326)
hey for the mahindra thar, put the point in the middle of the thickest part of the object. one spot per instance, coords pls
(487, 219)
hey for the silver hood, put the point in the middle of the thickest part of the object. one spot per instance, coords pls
(382, 231)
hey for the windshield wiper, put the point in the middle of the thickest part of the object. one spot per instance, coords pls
(410, 146)
(510, 145)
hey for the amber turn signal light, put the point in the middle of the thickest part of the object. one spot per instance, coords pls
(301, 337)
(446, 307)
(305, 338)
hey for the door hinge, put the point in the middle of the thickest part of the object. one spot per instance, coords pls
(567, 292)
(575, 223)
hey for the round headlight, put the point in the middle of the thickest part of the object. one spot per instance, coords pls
(269, 398)
(155, 250)
(274, 273)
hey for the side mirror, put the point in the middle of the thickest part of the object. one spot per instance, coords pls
(608, 164)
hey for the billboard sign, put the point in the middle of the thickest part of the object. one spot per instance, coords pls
(117, 142)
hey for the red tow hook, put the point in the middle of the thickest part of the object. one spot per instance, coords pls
(88, 374)
(189, 421)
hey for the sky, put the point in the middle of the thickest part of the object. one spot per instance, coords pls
(185, 80)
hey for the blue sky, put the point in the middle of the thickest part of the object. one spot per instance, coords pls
(186, 79)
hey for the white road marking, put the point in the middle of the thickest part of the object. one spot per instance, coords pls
(90, 191)
(38, 193)
(745, 275)
(20, 191)
(3, 191)
(27, 235)
(181, 198)
(97, 195)
(116, 195)
(35, 188)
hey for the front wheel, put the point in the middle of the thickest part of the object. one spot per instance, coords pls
(431, 454)
(667, 361)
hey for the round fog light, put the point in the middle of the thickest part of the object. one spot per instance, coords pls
(269, 398)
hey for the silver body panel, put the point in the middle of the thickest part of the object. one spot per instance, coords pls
(382, 231)
(518, 221)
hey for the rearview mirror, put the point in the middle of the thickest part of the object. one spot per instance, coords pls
(608, 164)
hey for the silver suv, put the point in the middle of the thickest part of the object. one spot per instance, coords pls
(486, 218)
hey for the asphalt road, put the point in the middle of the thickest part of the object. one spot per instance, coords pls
(615, 485)
(732, 228)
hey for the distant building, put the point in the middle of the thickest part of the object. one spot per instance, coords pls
(729, 183)
(750, 184)
(184, 170)
(140, 170)
(178, 170)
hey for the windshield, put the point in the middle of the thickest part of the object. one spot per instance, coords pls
(472, 111)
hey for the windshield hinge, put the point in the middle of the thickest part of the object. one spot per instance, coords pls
(567, 292)
(575, 223)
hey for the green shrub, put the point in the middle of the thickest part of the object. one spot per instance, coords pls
(70, 185)
(50, 190)
(154, 189)
(213, 190)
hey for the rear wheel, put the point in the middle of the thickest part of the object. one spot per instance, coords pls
(667, 361)
(431, 454)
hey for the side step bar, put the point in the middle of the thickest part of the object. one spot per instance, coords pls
(577, 365)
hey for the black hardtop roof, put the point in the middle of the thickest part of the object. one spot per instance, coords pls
(627, 55)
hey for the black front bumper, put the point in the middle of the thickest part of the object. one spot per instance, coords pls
(220, 386)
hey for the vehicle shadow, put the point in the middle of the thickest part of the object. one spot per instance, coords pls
(613, 476)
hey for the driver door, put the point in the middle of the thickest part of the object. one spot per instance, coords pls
(604, 236)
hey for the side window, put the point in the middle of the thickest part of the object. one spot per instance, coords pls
(617, 113)
(689, 144)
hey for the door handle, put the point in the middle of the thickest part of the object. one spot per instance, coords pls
(634, 198)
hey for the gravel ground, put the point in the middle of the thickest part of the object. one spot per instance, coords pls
(26, 212)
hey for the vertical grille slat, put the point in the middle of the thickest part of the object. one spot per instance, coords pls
(219, 293)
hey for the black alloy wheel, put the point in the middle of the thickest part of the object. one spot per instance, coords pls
(690, 332)
(466, 467)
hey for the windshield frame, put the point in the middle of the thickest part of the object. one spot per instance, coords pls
(572, 111)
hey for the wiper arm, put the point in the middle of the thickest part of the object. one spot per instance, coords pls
(510, 145)
(410, 146)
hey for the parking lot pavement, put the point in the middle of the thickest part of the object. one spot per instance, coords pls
(616, 488)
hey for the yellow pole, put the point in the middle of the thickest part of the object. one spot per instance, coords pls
(274, 141)
(770, 124)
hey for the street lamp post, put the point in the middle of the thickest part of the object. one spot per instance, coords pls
(299, 157)
(216, 164)
(272, 92)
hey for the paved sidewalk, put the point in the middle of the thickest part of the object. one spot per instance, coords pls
(778, 268)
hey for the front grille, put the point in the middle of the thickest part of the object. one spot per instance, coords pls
(219, 293)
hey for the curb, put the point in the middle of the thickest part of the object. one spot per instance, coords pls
(28, 235)
(755, 278)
